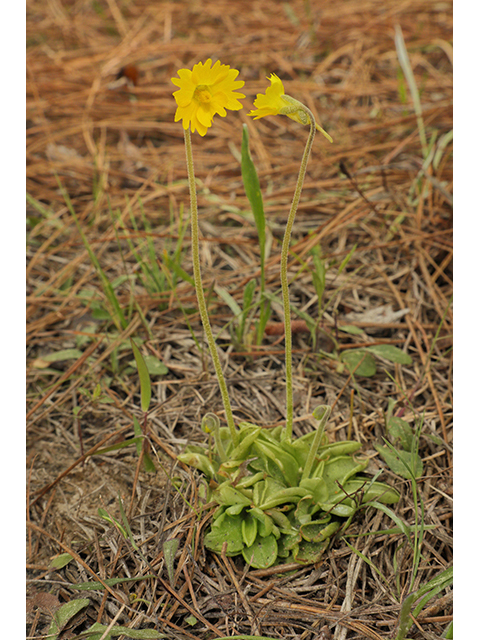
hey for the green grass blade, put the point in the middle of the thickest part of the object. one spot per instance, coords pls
(440, 582)
(367, 561)
(145, 384)
(170, 548)
(346, 260)
(254, 195)
(404, 61)
(110, 582)
(229, 300)
(404, 621)
(126, 524)
(139, 441)
(117, 316)
(176, 269)
(247, 304)
(393, 516)
(265, 311)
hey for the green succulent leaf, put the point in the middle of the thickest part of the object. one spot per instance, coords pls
(170, 548)
(198, 461)
(284, 460)
(369, 490)
(279, 498)
(306, 509)
(268, 468)
(281, 521)
(317, 487)
(317, 531)
(351, 329)
(340, 506)
(59, 356)
(288, 544)
(235, 509)
(262, 553)
(247, 438)
(291, 494)
(249, 529)
(227, 495)
(309, 552)
(265, 524)
(249, 481)
(340, 469)
(301, 447)
(110, 582)
(226, 528)
(336, 449)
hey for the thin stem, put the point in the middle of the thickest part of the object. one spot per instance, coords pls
(202, 307)
(284, 278)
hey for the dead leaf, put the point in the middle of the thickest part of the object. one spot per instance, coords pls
(379, 315)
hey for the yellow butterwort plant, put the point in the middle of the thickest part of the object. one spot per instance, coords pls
(277, 500)
(203, 92)
(276, 102)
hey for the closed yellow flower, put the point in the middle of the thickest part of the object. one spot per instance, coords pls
(274, 102)
(205, 91)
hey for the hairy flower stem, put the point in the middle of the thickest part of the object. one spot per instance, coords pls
(202, 307)
(284, 278)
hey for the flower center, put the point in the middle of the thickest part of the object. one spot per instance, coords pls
(202, 94)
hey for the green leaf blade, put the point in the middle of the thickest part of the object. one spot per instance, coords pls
(64, 614)
(145, 385)
(359, 362)
(390, 352)
(254, 195)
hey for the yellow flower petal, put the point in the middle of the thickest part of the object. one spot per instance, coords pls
(274, 102)
(205, 91)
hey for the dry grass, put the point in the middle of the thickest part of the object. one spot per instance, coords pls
(115, 148)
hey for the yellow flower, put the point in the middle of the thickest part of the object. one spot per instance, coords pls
(205, 91)
(275, 102)
(272, 103)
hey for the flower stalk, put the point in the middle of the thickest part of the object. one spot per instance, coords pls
(203, 92)
(284, 276)
(276, 102)
(202, 306)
